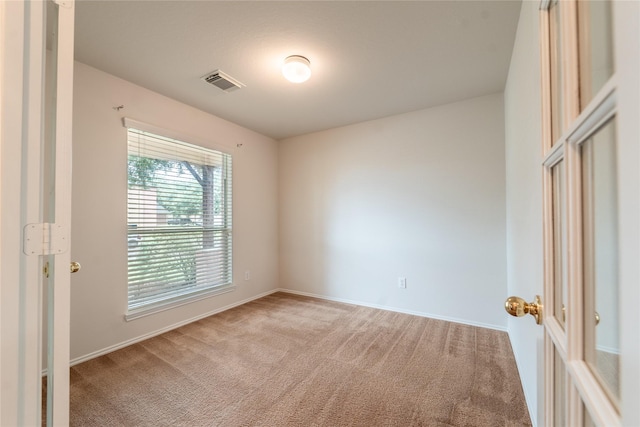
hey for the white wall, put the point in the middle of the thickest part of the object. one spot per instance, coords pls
(524, 200)
(419, 195)
(99, 290)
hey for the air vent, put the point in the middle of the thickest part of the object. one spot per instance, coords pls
(222, 81)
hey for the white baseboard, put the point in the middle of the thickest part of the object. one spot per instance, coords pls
(529, 397)
(126, 343)
(398, 310)
(140, 338)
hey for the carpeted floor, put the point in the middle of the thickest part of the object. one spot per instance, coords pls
(288, 360)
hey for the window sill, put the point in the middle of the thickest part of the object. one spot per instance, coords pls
(170, 304)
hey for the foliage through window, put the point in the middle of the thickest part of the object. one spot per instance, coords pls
(179, 220)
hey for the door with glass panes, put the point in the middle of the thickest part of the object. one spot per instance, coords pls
(590, 86)
(582, 206)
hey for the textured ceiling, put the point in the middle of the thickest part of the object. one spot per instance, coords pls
(368, 59)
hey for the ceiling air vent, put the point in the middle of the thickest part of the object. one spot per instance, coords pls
(222, 81)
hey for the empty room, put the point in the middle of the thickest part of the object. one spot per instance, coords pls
(319, 213)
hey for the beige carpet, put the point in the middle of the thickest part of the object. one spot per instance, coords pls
(287, 360)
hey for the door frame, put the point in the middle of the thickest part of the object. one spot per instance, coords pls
(21, 93)
(22, 109)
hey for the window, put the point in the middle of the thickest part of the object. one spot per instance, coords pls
(178, 220)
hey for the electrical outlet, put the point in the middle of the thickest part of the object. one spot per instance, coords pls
(402, 282)
(247, 275)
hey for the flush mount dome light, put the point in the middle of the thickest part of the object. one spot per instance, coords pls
(296, 69)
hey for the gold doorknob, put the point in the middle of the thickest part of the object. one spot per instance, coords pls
(518, 307)
(75, 267)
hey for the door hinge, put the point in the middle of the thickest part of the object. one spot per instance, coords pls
(45, 239)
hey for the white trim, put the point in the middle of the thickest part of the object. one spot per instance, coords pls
(173, 326)
(128, 122)
(529, 396)
(556, 154)
(22, 51)
(592, 119)
(602, 411)
(396, 310)
(557, 335)
(160, 331)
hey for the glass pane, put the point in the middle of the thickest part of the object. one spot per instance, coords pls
(556, 71)
(601, 257)
(596, 47)
(559, 391)
(559, 241)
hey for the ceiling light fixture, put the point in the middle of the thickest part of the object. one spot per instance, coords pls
(296, 69)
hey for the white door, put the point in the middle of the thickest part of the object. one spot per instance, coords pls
(35, 178)
(589, 57)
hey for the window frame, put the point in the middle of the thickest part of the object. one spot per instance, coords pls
(180, 299)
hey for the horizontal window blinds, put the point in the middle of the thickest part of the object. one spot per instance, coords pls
(179, 220)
